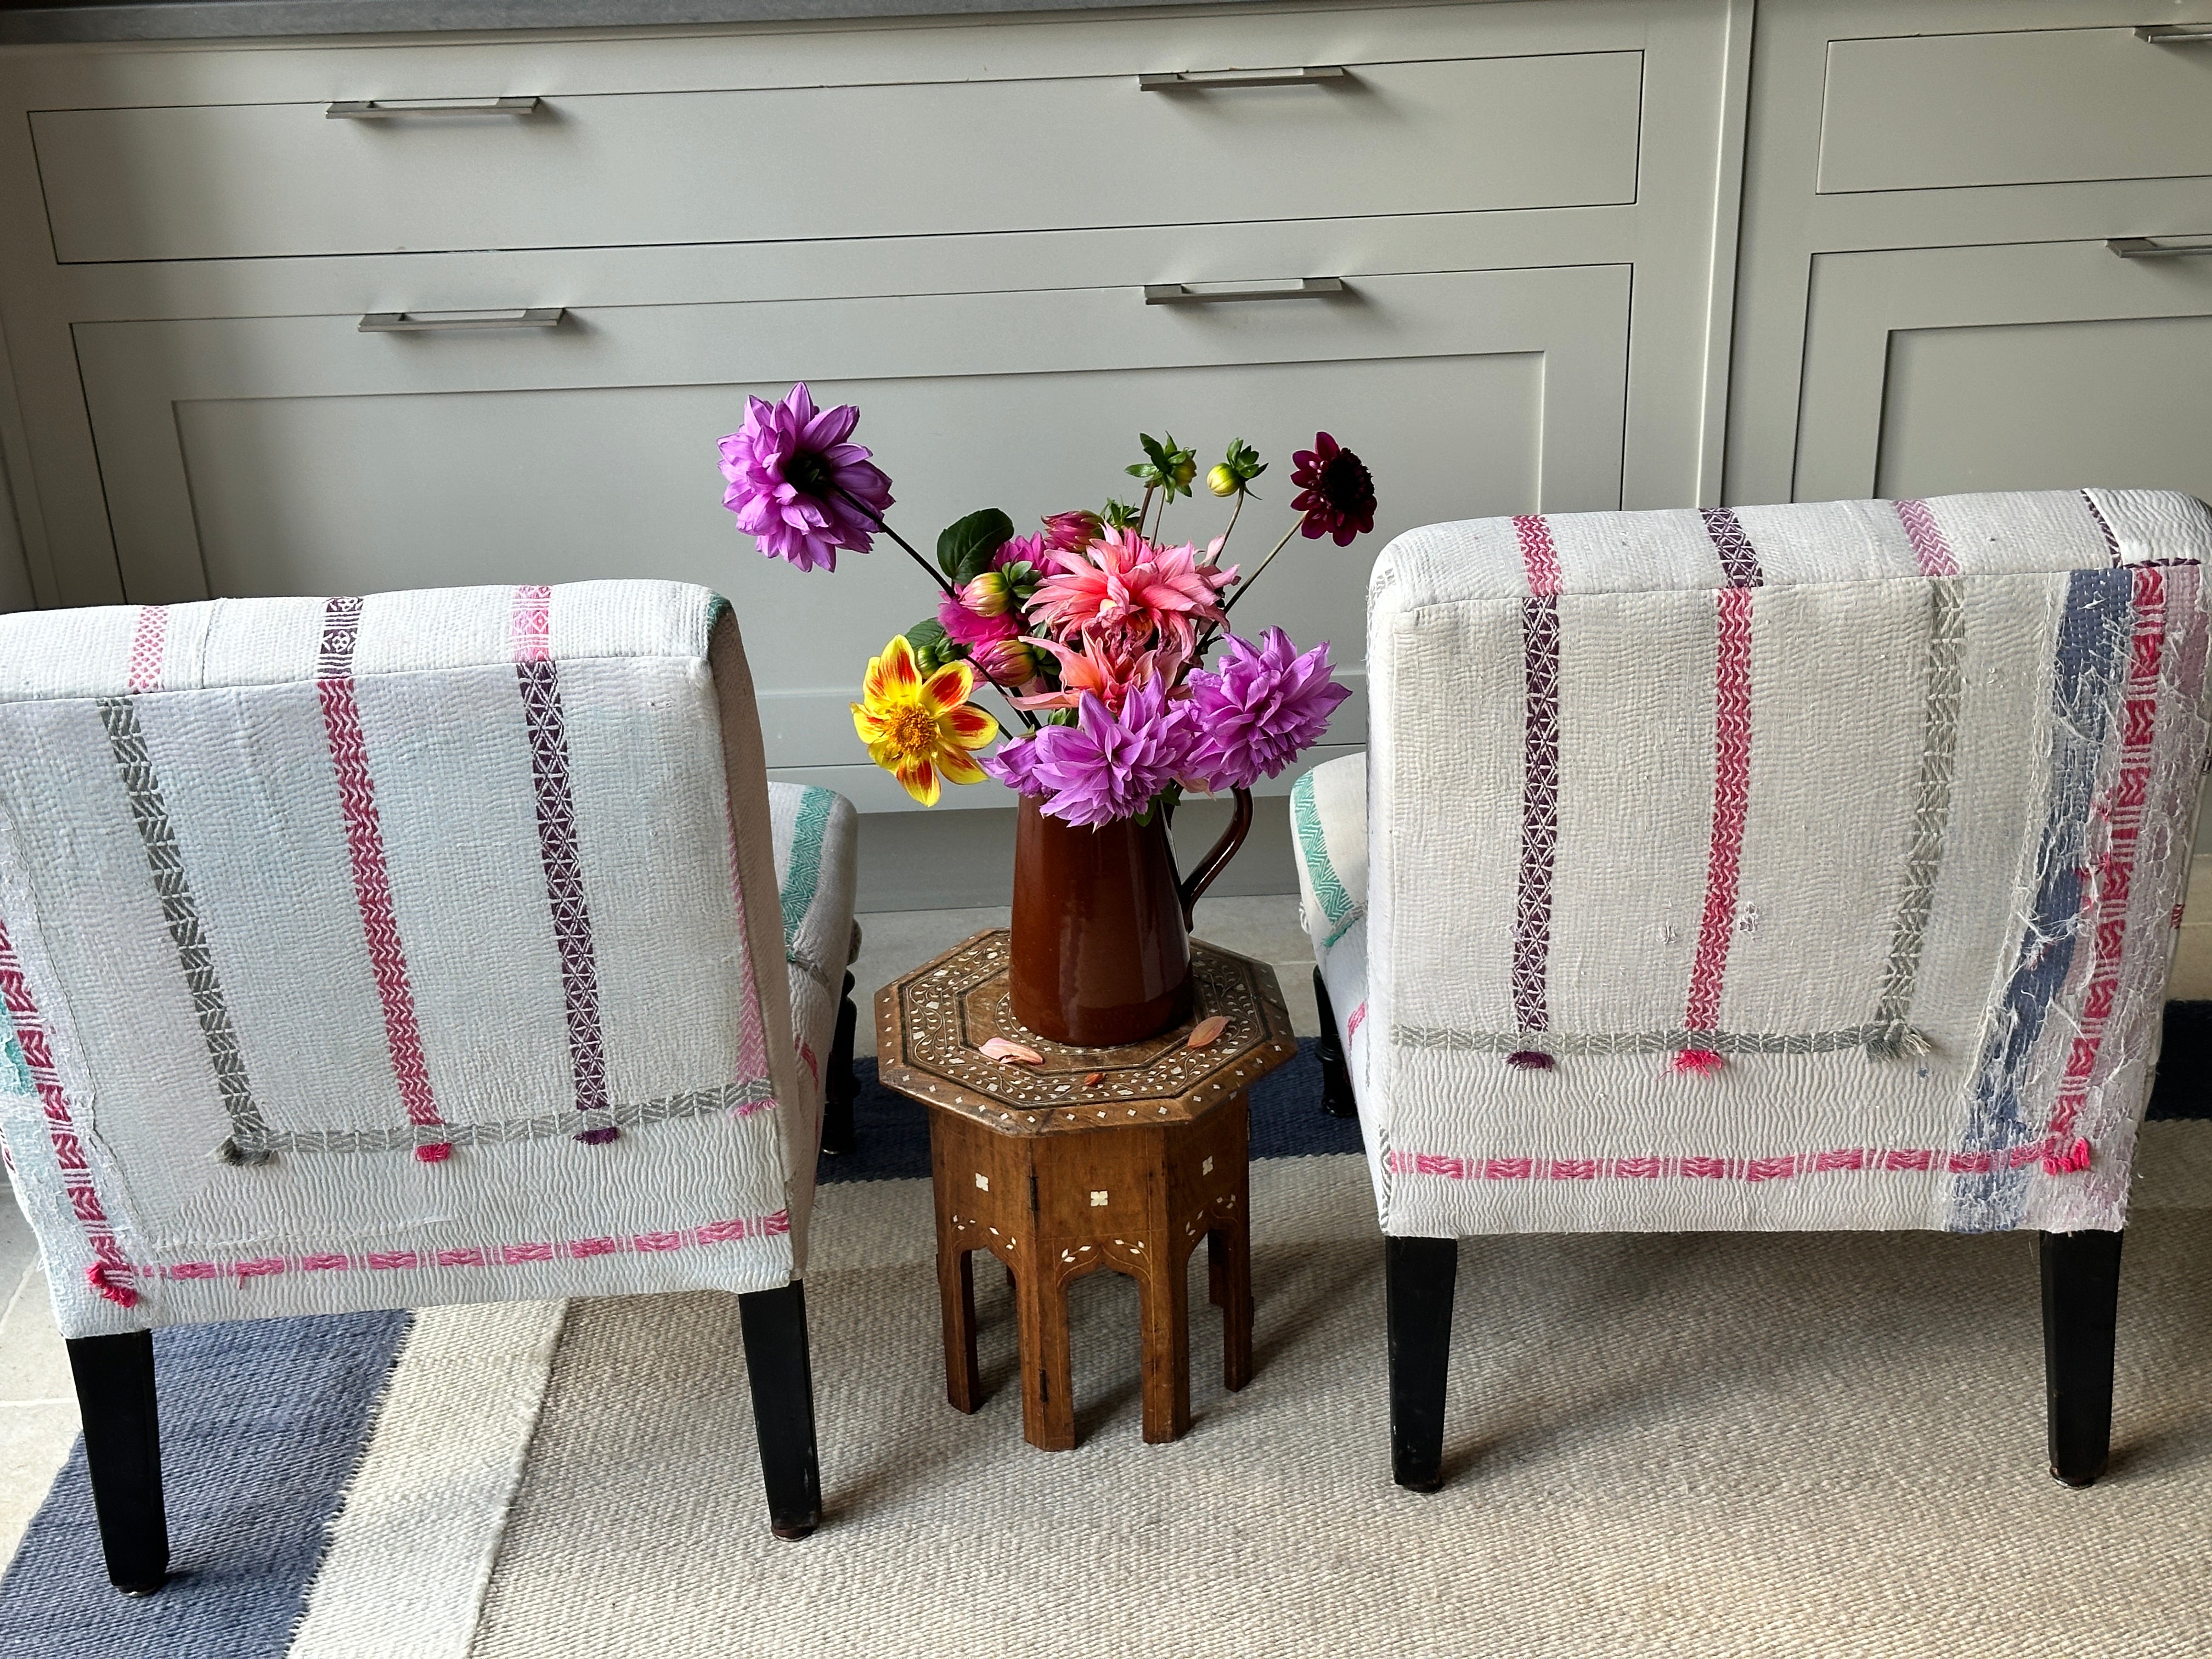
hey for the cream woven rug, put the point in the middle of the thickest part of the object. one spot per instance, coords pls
(1697, 1445)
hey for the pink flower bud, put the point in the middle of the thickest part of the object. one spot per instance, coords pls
(1070, 533)
(986, 595)
(1006, 662)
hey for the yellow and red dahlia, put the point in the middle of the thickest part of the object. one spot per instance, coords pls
(917, 729)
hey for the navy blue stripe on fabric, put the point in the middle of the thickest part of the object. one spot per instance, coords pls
(263, 1424)
(2087, 675)
(892, 1132)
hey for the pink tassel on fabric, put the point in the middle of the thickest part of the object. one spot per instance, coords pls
(1701, 1062)
(103, 1278)
(2071, 1161)
(437, 1152)
(1530, 1059)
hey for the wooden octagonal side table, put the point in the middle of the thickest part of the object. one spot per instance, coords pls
(1121, 1159)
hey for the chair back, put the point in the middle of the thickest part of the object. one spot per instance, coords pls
(1810, 866)
(385, 951)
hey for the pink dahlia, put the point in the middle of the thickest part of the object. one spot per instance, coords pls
(1105, 767)
(1254, 713)
(1101, 670)
(798, 486)
(1336, 492)
(1130, 589)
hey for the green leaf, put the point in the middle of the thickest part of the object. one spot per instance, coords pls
(966, 549)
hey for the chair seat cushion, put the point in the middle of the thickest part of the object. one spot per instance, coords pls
(817, 863)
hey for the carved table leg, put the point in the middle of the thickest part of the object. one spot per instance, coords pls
(1047, 1375)
(1166, 1304)
(955, 1285)
(1229, 1264)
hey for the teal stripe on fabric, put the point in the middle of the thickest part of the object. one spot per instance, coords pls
(804, 878)
(1336, 904)
(14, 1071)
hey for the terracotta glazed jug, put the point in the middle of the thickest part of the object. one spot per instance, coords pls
(1101, 952)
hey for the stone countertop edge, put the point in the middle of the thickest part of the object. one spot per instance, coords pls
(152, 20)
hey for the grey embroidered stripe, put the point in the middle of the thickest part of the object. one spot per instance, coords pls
(1931, 807)
(547, 1125)
(1638, 1042)
(165, 860)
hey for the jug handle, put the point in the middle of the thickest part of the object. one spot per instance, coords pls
(1191, 886)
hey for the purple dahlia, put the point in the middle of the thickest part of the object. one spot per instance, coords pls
(1105, 767)
(1253, 714)
(798, 486)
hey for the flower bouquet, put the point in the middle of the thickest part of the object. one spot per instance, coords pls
(1109, 651)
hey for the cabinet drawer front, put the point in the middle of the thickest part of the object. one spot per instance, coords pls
(2050, 366)
(293, 454)
(631, 169)
(2044, 106)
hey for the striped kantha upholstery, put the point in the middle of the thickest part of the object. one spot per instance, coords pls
(1879, 812)
(380, 953)
(817, 852)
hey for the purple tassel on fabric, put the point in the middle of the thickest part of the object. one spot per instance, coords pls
(1530, 1059)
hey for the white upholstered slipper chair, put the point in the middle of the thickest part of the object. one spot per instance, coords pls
(424, 948)
(1809, 867)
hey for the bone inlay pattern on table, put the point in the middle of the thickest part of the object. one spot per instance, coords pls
(933, 1024)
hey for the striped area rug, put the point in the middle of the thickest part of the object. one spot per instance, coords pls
(534, 1478)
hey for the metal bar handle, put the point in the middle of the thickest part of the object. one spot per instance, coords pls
(1313, 75)
(2159, 35)
(444, 322)
(2141, 247)
(1182, 293)
(394, 109)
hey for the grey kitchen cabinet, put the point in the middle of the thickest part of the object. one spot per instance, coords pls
(952, 222)
(1932, 291)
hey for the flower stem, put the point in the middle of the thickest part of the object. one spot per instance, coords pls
(1215, 559)
(877, 520)
(1243, 587)
(949, 592)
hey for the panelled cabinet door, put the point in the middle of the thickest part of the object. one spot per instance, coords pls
(2035, 366)
(299, 455)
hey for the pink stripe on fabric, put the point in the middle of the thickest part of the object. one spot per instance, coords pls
(1359, 1018)
(61, 1129)
(2120, 811)
(371, 880)
(531, 623)
(1538, 555)
(1929, 546)
(147, 639)
(1731, 802)
(1846, 1160)
(488, 1255)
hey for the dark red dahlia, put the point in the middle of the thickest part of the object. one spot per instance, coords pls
(1336, 492)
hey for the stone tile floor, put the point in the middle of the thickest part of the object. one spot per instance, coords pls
(37, 1405)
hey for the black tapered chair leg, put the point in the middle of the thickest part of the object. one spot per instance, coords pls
(1335, 1077)
(773, 1324)
(123, 1454)
(1418, 1274)
(2081, 1314)
(841, 1087)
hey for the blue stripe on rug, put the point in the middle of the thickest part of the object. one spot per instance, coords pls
(892, 1132)
(263, 1424)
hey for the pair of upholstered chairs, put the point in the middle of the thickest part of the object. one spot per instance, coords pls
(1809, 867)
(426, 948)
(1791, 867)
